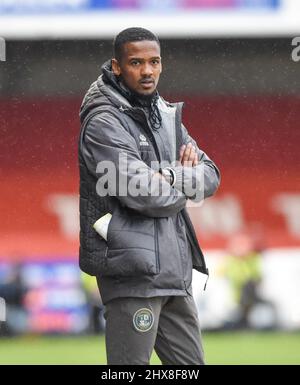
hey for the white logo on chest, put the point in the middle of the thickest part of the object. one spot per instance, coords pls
(143, 140)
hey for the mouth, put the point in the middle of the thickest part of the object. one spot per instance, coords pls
(147, 83)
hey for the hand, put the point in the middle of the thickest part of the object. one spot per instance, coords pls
(188, 156)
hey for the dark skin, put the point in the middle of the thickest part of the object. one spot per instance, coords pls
(140, 68)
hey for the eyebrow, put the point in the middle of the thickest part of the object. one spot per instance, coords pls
(141, 59)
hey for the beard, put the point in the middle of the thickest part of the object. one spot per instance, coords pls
(142, 98)
(136, 97)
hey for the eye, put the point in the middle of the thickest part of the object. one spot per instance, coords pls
(135, 62)
(155, 61)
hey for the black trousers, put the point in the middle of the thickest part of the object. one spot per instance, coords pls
(136, 326)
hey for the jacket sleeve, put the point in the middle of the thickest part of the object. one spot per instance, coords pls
(112, 155)
(197, 182)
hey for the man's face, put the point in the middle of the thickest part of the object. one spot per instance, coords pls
(140, 66)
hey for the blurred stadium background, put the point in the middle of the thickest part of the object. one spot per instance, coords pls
(231, 62)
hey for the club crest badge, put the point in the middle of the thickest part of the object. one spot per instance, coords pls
(143, 320)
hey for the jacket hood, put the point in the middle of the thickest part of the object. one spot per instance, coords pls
(108, 89)
(103, 92)
(110, 78)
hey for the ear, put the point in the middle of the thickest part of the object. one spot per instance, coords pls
(115, 67)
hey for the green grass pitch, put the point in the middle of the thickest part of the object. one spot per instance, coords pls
(220, 348)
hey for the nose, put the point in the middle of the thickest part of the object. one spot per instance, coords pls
(146, 70)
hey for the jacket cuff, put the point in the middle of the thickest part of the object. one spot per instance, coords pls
(173, 175)
(179, 178)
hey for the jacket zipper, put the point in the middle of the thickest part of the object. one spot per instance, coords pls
(148, 128)
(180, 257)
(156, 235)
(156, 246)
(155, 220)
(193, 239)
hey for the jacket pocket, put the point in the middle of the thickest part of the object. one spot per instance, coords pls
(131, 245)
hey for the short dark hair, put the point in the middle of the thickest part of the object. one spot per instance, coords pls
(129, 35)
